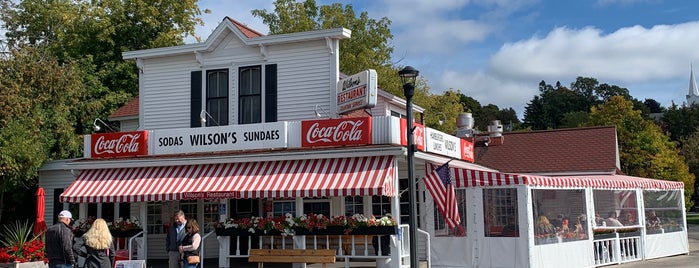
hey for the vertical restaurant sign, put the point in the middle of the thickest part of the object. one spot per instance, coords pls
(442, 143)
(118, 144)
(467, 151)
(217, 139)
(334, 132)
(418, 134)
(357, 91)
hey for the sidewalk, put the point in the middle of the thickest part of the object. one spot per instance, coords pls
(687, 260)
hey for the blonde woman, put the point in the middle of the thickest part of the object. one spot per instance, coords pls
(96, 246)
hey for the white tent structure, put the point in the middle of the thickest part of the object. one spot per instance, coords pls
(502, 213)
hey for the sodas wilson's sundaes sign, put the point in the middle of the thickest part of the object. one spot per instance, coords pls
(133, 143)
(216, 139)
(336, 132)
(357, 91)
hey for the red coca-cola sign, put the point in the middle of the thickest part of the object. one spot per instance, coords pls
(336, 132)
(467, 150)
(418, 134)
(119, 144)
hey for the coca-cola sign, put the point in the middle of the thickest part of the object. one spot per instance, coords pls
(132, 143)
(418, 134)
(336, 132)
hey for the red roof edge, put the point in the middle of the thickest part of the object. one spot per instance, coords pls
(128, 109)
(247, 31)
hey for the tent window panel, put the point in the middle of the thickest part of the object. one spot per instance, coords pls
(559, 215)
(663, 211)
(500, 211)
(440, 226)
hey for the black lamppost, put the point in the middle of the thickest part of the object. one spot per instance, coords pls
(408, 76)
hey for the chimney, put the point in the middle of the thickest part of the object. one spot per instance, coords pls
(464, 126)
(495, 129)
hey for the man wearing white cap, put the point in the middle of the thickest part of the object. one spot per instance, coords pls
(59, 242)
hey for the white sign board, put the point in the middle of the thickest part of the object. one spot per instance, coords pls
(130, 264)
(357, 91)
(216, 139)
(441, 143)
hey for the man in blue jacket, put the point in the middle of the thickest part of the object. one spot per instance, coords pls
(59, 242)
(174, 239)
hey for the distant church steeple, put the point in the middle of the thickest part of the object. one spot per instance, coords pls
(693, 93)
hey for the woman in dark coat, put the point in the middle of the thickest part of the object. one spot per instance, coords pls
(96, 246)
(190, 243)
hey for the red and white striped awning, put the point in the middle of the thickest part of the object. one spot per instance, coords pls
(464, 178)
(357, 176)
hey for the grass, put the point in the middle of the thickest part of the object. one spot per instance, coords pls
(693, 219)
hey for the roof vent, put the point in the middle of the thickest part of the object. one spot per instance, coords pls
(464, 124)
(495, 129)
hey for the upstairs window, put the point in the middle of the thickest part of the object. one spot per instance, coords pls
(217, 97)
(250, 95)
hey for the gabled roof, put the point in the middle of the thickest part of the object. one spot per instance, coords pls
(130, 109)
(574, 151)
(247, 31)
(247, 35)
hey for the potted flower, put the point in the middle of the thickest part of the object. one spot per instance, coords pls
(125, 227)
(20, 248)
(81, 225)
(308, 224)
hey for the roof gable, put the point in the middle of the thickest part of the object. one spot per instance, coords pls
(561, 151)
(130, 109)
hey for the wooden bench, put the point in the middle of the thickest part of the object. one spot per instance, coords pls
(261, 256)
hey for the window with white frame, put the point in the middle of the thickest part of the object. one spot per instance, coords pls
(354, 205)
(559, 215)
(440, 226)
(154, 223)
(217, 97)
(250, 95)
(282, 207)
(316, 206)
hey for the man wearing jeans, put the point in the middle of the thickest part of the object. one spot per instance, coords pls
(174, 239)
(59, 242)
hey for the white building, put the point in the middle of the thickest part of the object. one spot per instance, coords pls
(261, 150)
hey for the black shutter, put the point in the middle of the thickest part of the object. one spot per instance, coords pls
(196, 99)
(271, 93)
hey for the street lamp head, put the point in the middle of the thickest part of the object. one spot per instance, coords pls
(408, 75)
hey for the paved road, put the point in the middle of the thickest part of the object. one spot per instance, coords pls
(687, 260)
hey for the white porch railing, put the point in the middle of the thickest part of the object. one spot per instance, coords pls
(617, 250)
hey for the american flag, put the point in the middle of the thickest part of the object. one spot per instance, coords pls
(440, 186)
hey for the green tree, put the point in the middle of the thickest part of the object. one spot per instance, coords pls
(95, 33)
(368, 48)
(644, 150)
(39, 100)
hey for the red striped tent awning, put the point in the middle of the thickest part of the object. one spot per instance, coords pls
(464, 178)
(358, 176)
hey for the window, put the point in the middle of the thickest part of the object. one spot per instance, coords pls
(440, 226)
(210, 215)
(281, 208)
(354, 205)
(154, 224)
(380, 205)
(663, 211)
(316, 206)
(217, 97)
(559, 215)
(189, 208)
(250, 95)
(500, 211)
(615, 208)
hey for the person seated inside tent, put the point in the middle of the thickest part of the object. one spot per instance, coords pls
(629, 219)
(544, 227)
(580, 229)
(612, 220)
(652, 220)
(511, 229)
(557, 221)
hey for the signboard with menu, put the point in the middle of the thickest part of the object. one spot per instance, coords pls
(358, 91)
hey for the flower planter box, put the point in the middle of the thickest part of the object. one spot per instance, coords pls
(243, 232)
(329, 230)
(33, 264)
(374, 230)
(125, 233)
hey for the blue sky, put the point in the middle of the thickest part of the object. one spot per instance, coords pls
(497, 51)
